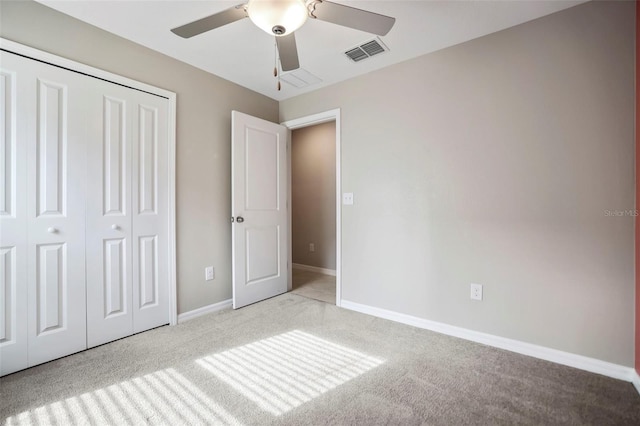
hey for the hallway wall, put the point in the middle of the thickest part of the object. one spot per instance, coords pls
(313, 195)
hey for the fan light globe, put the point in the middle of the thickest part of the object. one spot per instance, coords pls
(279, 17)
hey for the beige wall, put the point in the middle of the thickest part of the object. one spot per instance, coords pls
(203, 134)
(493, 162)
(313, 195)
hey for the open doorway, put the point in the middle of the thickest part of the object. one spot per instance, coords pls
(314, 200)
(313, 207)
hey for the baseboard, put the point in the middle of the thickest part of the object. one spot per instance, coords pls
(186, 316)
(636, 381)
(314, 269)
(565, 358)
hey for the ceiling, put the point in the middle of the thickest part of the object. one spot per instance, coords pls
(244, 54)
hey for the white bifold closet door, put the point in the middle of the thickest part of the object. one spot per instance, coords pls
(42, 234)
(56, 179)
(127, 232)
(13, 227)
(84, 248)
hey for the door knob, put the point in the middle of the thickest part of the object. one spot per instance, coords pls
(52, 230)
(239, 219)
(115, 227)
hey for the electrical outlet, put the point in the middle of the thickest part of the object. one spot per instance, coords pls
(476, 291)
(209, 273)
(347, 198)
(312, 247)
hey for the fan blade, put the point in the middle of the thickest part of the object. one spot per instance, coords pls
(211, 22)
(351, 17)
(288, 52)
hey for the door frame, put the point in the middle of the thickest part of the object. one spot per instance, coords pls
(71, 65)
(298, 123)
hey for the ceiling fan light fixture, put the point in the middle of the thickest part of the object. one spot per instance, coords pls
(279, 17)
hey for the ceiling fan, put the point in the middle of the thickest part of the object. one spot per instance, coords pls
(283, 17)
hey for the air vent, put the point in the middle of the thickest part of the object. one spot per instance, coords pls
(356, 54)
(372, 48)
(366, 50)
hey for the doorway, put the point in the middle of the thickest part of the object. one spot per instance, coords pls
(314, 200)
(313, 206)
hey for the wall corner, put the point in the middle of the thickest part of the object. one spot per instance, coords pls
(637, 224)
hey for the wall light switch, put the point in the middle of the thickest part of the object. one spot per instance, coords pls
(347, 198)
(312, 247)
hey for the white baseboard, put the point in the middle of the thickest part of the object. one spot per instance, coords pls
(636, 381)
(314, 269)
(565, 358)
(186, 316)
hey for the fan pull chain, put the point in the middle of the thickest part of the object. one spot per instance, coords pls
(277, 61)
(275, 57)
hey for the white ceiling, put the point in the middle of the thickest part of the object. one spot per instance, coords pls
(244, 54)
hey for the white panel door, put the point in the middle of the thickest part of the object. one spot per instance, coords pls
(13, 221)
(259, 233)
(150, 206)
(56, 211)
(109, 256)
(127, 214)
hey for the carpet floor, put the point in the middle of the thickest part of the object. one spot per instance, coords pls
(291, 360)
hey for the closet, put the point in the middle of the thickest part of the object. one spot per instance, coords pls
(84, 211)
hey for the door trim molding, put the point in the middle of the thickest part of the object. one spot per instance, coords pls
(71, 65)
(311, 120)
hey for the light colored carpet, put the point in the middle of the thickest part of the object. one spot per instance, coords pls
(296, 361)
(314, 285)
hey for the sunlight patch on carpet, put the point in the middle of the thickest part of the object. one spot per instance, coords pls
(287, 370)
(163, 397)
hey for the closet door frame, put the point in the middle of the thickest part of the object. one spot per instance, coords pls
(29, 52)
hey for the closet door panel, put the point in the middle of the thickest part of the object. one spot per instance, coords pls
(13, 218)
(83, 212)
(56, 213)
(150, 206)
(109, 256)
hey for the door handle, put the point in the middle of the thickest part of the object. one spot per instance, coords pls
(240, 219)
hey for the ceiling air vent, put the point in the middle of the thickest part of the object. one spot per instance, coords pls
(366, 50)
(356, 54)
